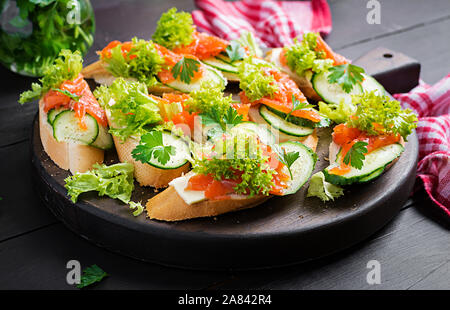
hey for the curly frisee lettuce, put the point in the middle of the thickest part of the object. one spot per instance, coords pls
(238, 157)
(303, 56)
(115, 181)
(174, 29)
(378, 115)
(254, 81)
(67, 66)
(142, 61)
(132, 111)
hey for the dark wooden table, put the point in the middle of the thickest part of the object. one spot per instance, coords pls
(413, 249)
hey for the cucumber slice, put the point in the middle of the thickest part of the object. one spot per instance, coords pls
(66, 128)
(324, 121)
(302, 168)
(221, 65)
(282, 125)
(182, 152)
(373, 165)
(370, 84)
(333, 93)
(52, 114)
(263, 132)
(104, 139)
(210, 74)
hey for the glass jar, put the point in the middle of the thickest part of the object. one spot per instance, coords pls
(33, 32)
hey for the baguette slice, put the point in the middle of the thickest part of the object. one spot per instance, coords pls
(67, 155)
(101, 76)
(146, 174)
(169, 206)
(310, 141)
(303, 83)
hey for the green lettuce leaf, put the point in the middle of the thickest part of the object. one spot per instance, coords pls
(338, 113)
(174, 29)
(66, 67)
(115, 181)
(253, 81)
(302, 56)
(320, 188)
(132, 110)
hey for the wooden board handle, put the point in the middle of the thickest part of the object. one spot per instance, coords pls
(397, 72)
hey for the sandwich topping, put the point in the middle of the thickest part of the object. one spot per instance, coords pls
(377, 122)
(312, 53)
(262, 83)
(149, 62)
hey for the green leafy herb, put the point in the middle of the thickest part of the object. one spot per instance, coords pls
(174, 29)
(152, 145)
(185, 68)
(91, 275)
(238, 153)
(115, 181)
(143, 66)
(40, 28)
(339, 113)
(355, 156)
(297, 105)
(377, 115)
(235, 51)
(67, 93)
(322, 189)
(132, 111)
(287, 158)
(137, 207)
(230, 119)
(303, 56)
(66, 67)
(254, 81)
(346, 75)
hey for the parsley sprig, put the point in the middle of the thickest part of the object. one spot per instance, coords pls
(151, 145)
(67, 93)
(185, 68)
(287, 158)
(91, 275)
(298, 105)
(235, 51)
(346, 75)
(231, 118)
(355, 156)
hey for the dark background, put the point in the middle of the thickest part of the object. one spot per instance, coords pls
(413, 249)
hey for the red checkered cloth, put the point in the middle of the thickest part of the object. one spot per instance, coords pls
(274, 23)
(432, 105)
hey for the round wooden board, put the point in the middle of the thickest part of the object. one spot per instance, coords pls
(282, 231)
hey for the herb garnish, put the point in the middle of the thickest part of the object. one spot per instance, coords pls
(152, 145)
(235, 51)
(287, 158)
(91, 275)
(346, 75)
(298, 105)
(355, 155)
(231, 118)
(185, 68)
(67, 93)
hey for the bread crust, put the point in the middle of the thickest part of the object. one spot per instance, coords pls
(67, 155)
(303, 83)
(101, 76)
(169, 206)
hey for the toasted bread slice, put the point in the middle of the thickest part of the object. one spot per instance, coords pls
(303, 83)
(101, 76)
(310, 141)
(146, 174)
(169, 206)
(67, 155)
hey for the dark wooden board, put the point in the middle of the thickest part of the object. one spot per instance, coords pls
(284, 230)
